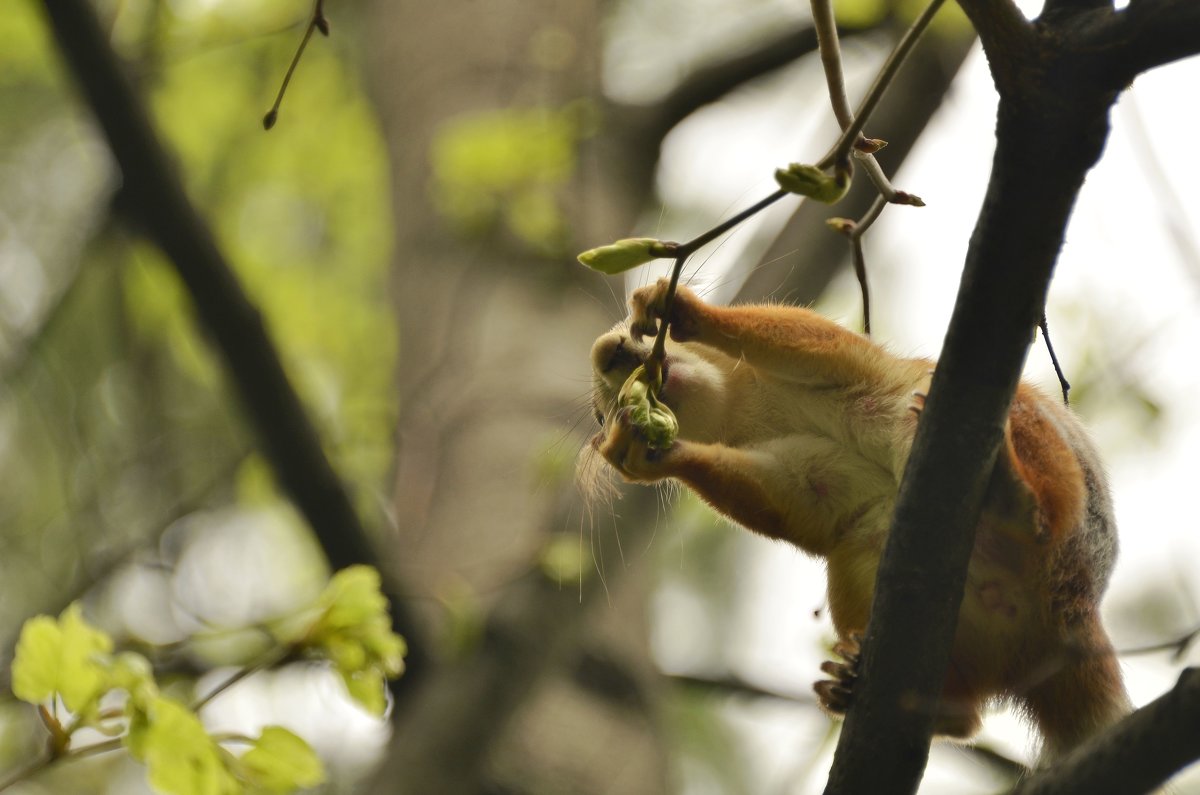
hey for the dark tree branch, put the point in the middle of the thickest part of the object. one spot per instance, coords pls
(1139, 37)
(1056, 9)
(1051, 127)
(709, 83)
(1137, 755)
(1001, 27)
(639, 130)
(234, 324)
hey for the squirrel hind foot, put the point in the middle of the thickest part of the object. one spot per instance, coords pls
(836, 694)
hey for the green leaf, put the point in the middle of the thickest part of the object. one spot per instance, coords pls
(280, 762)
(351, 598)
(68, 657)
(367, 688)
(133, 673)
(180, 757)
(626, 254)
(354, 632)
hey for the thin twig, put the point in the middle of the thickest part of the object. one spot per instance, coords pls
(267, 661)
(698, 242)
(22, 773)
(319, 22)
(654, 361)
(1179, 646)
(682, 252)
(238, 676)
(1062, 378)
(831, 60)
(860, 262)
(840, 154)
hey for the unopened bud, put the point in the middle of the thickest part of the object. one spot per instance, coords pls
(869, 146)
(843, 226)
(322, 24)
(812, 182)
(626, 254)
(911, 199)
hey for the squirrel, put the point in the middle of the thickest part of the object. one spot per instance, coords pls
(798, 429)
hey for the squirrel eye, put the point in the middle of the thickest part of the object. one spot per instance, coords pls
(599, 415)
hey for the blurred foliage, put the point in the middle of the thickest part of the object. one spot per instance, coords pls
(68, 665)
(116, 422)
(508, 167)
(708, 756)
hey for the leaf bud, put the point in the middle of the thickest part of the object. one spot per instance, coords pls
(869, 146)
(810, 181)
(843, 226)
(911, 199)
(626, 254)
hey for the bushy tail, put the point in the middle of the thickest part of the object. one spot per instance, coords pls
(1079, 699)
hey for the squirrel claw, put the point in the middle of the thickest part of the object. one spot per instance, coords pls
(645, 327)
(917, 404)
(835, 695)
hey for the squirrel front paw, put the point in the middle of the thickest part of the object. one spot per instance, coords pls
(835, 695)
(629, 451)
(648, 306)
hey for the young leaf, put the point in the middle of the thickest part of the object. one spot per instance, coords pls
(68, 657)
(280, 762)
(367, 688)
(353, 631)
(133, 673)
(180, 757)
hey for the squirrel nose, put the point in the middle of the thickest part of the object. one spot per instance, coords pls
(615, 351)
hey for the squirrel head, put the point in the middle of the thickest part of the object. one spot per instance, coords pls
(694, 386)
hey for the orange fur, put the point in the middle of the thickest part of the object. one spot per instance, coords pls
(798, 429)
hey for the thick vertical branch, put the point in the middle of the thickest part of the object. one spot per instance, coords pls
(1051, 128)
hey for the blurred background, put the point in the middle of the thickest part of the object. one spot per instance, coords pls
(408, 229)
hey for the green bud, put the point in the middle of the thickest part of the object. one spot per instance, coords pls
(812, 182)
(650, 416)
(844, 226)
(626, 254)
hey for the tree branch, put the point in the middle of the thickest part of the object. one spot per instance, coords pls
(1001, 27)
(1058, 9)
(1138, 754)
(1141, 36)
(640, 130)
(236, 327)
(1051, 129)
(709, 83)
